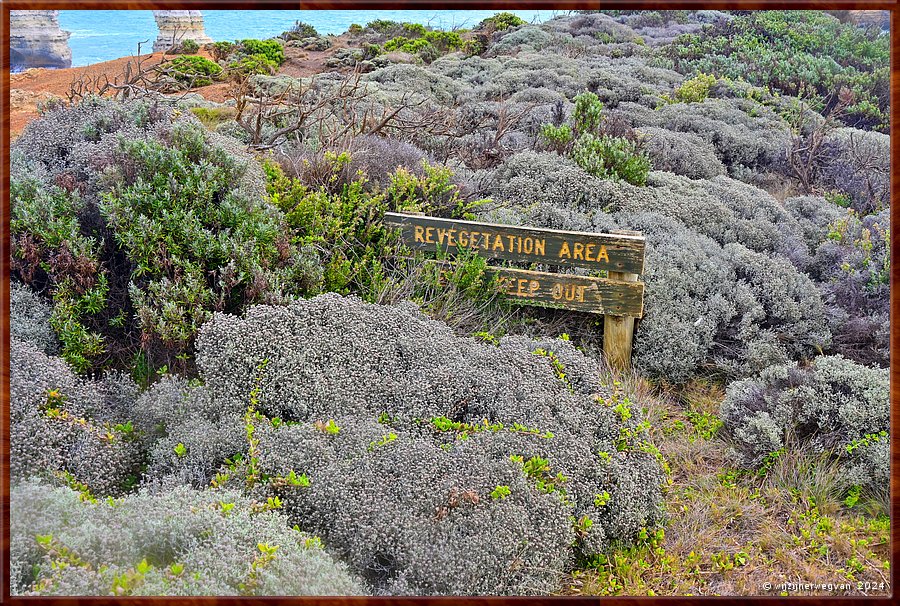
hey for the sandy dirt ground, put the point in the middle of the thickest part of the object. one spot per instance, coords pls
(34, 86)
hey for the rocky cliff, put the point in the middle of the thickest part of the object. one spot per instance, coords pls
(177, 26)
(35, 40)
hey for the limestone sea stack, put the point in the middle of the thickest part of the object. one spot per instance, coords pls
(177, 26)
(35, 40)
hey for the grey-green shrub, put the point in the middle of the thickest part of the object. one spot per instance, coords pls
(65, 424)
(858, 164)
(853, 268)
(361, 363)
(188, 543)
(835, 405)
(30, 319)
(716, 307)
(709, 303)
(743, 132)
(681, 153)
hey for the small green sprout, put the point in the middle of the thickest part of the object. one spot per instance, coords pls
(500, 492)
(601, 499)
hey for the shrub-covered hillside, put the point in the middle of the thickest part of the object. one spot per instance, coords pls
(228, 377)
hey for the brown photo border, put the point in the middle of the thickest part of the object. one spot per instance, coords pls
(8, 5)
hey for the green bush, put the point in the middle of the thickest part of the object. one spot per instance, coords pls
(221, 50)
(45, 224)
(473, 47)
(253, 64)
(611, 158)
(193, 70)
(418, 46)
(271, 49)
(695, 90)
(795, 52)
(185, 47)
(444, 41)
(372, 50)
(342, 222)
(593, 149)
(432, 192)
(382, 25)
(414, 30)
(189, 47)
(557, 138)
(137, 259)
(502, 21)
(588, 113)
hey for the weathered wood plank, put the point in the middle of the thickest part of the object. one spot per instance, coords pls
(618, 331)
(579, 293)
(611, 252)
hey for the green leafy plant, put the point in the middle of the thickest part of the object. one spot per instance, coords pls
(696, 89)
(271, 49)
(612, 158)
(193, 70)
(188, 47)
(598, 153)
(221, 50)
(500, 492)
(299, 31)
(502, 21)
(384, 441)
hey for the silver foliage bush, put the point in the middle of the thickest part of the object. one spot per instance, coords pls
(378, 371)
(835, 405)
(189, 543)
(681, 153)
(30, 319)
(64, 424)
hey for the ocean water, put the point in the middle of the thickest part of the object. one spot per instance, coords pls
(105, 35)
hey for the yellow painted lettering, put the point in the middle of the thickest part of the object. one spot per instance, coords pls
(564, 251)
(420, 234)
(463, 238)
(602, 256)
(540, 246)
(557, 291)
(498, 242)
(429, 234)
(578, 251)
(588, 251)
(528, 246)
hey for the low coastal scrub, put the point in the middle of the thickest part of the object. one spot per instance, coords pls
(518, 479)
(228, 377)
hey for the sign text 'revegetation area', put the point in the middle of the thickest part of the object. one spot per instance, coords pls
(616, 253)
(611, 252)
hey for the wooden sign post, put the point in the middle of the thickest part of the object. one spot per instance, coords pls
(619, 297)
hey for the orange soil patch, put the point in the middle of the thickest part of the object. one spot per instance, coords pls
(34, 86)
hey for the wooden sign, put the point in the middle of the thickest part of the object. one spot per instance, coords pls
(580, 293)
(620, 297)
(610, 252)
